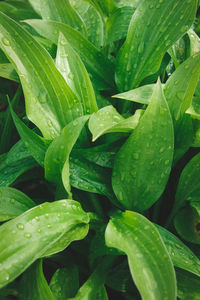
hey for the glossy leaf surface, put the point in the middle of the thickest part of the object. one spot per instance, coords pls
(180, 87)
(149, 263)
(49, 100)
(96, 63)
(73, 70)
(149, 38)
(13, 203)
(61, 11)
(57, 155)
(181, 256)
(32, 234)
(137, 181)
(7, 71)
(109, 120)
(34, 285)
(65, 282)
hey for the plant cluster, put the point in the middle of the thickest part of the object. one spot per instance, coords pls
(99, 149)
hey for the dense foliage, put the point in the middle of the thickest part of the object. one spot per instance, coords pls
(99, 149)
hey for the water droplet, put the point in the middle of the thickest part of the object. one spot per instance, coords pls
(48, 226)
(39, 230)
(176, 82)
(158, 6)
(135, 155)
(161, 1)
(12, 201)
(186, 67)
(122, 176)
(4, 276)
(162, 175)
(181, 17)
(43, 101)
(46, 215)
(28, 235)
(5, 41)
(167, 162)
(151, 6)
(20, 226)
(162, 150)
(141, 47)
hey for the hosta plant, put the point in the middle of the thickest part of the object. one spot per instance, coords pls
(99, 149)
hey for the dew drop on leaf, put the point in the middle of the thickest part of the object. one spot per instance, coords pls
(20, 226)
(5, 41)
(28, 235)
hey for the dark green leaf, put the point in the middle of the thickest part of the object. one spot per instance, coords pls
(36, 232)
(13, 203)
(65, 282)
(188, 286)
(187, 224)
(96, 63)
(34, 285)
(154, 27)
(137, 180)
(57, 156)
(150, 265)
(61, 11)
(7, 71)
(180, 254)
(49, 100)
(73, 70)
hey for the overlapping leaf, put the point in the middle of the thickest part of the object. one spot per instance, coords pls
(13, 203)
(96, 63)
(73, 70)
(154, 27)
(149, 263)
(137, 180)
(36, 232)
(49, 100)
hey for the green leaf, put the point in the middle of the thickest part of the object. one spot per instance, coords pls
(65, 282)
(13, 203)
(61, 11)
(149, 263)
(96, 63)
(14, 163)
(73, 70)
(188, 286)
(57, 155)
(89, 177)
(93, 22)
(92, 288)
(181, 256)
(7, 71)
(32, 234)
(35, 144)
(194, 109)
(34, 285)
(117, 24)
(109, 120)
(187, 224)
(154, 27)
(180, 87)
(141, 95)
(49, 100)
(189, 186)
(137, 180)
(194, 42)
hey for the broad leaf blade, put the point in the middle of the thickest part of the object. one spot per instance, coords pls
(73, 70)
(65, 282)
(189, 186)
(188, 286)
(34, 285)
(7, 71)
(57, 155)
(180, 87)
(35, 144)
(181, 256)
(96, 64)
(137, 181)
(16, 162)
(108, 120)
(153, 29)
(13, 203)
(61, 11)
(49, 100)
(29, 236)
(187, 224)
(141, 95)
(150, 265)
